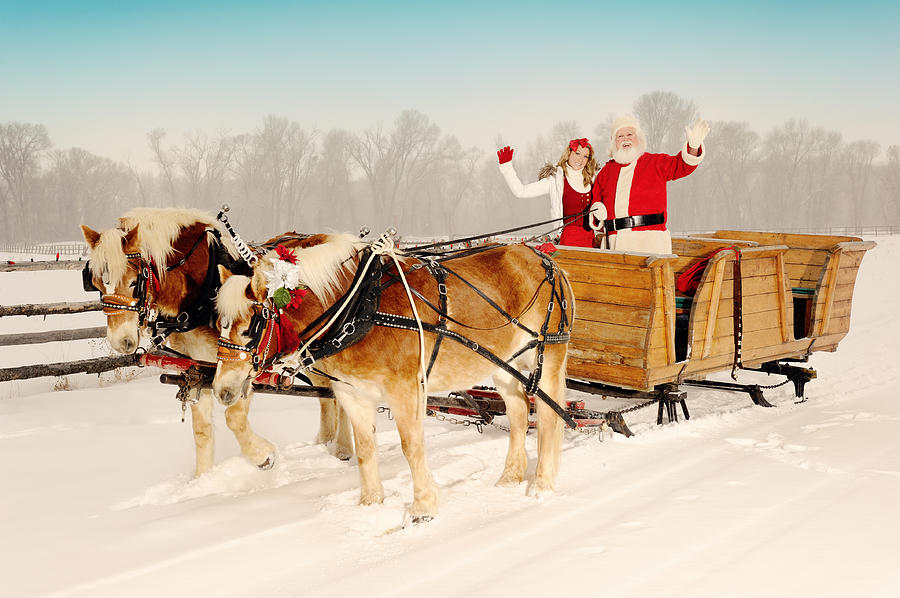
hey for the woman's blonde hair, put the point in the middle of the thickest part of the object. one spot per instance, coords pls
(590, 167)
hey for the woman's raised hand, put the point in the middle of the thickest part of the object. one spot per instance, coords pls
(504, 155)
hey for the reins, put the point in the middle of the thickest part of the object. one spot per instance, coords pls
(566, 220)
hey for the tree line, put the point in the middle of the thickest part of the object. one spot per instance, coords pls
(424, 183)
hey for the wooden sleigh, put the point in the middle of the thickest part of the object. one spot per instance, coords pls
(636, 336)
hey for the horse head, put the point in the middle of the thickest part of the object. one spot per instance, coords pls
(119, 272)
(256, 327)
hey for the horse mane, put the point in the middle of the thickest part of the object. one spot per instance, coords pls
(160, 227)
(107, 255)
(324, 263)
(232, 303)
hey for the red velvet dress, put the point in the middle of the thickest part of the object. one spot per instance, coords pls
(574, 203)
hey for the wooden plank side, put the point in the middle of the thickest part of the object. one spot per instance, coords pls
(837, 325)
(825, 295)
(601, 256)
(607, 353)
(667, 280)
(785, 302)
(751, 304)
(614, 277)
(629, 336)
(611, 294)
(789, 239)
(617, 375)
(718, 363)
(611, 313)
(846, 275)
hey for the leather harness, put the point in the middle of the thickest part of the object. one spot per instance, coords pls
(359, 317)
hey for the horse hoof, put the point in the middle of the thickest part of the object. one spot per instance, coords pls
(267, 464)
(422, 519)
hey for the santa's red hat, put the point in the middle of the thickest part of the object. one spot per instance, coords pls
(621, 123)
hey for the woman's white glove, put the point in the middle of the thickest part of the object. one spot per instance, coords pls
(597, 216)
(697, 133)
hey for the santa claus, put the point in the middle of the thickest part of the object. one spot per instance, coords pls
(629, 195)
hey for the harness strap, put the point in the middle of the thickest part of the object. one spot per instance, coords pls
(201, 311)
(407, 323)
(737, 315)
(440, 275)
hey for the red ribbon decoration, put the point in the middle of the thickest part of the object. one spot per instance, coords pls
(583, 142)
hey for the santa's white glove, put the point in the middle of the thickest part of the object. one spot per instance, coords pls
(697, 133)
(597, 216)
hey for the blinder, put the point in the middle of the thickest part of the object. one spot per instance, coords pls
(87, 279)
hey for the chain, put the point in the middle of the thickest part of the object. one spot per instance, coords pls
(638, 406)
(478, 423)
(192, 380)
(770, 386)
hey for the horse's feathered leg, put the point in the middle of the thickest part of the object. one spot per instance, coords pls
(201, 421)
(412, 440)
(549, 424)
(256, 448)
(361, 412)
(334, 425)
(517, 412)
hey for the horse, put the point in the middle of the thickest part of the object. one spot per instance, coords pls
(163, 260)
(497, 309)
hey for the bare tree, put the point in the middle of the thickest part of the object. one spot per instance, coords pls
(85, 188)
(204, 162)
(731, 170)
(22, 146)
(393, 163)
(860, 155)
(165, 162)
(331, 184)
(891, 181)
(601, 135)
(663, 116)
(799, 171)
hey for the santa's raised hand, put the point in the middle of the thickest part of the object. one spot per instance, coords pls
(697, 133)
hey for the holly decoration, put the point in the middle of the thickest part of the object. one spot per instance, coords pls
(283, 280)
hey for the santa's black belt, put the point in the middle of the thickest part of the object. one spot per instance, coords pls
(633, 221)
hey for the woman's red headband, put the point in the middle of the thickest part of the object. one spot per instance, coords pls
(573, 145)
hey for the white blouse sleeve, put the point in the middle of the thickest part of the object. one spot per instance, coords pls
(535, 189)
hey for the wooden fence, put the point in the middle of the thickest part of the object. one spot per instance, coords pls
(89, 366)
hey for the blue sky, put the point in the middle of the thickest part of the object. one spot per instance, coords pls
(100, 75)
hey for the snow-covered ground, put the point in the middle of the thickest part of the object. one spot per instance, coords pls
(799, 500)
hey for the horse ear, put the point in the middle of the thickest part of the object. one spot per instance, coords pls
(130, 238)
(224, 273)
(256, 290)
(90, 235)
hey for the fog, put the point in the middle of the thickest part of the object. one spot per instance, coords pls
(417, 177)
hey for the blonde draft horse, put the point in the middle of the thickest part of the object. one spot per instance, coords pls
(148, 236)
(383, 366)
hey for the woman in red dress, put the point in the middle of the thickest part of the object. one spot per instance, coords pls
(568, 184)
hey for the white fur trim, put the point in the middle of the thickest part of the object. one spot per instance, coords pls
(643, 241)
(620, 123)
(623, 191)
(692, 160)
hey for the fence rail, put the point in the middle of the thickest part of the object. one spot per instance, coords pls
(69, 248)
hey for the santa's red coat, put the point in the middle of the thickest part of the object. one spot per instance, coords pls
(645, 193)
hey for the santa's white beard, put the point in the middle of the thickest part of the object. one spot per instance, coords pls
(627, 155)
